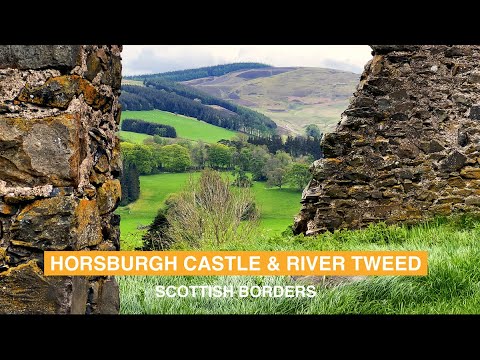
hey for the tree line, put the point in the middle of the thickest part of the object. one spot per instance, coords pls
(293, 145)
(145, 127)
(147, 98)
(197, 73)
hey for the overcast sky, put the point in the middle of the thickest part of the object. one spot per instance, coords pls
(146, 59)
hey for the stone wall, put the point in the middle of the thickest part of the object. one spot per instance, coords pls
(59, 164)
(407, 147)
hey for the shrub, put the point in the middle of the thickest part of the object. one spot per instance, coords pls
(209, 210)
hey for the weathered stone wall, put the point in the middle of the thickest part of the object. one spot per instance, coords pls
(407, 147)
(59, 163)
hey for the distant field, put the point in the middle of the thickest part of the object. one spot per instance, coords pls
(132, 82)
(186, 127)
(133, 137)
(277, 206)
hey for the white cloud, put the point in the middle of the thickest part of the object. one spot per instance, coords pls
(143, 59)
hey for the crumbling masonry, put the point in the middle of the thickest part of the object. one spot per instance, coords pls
(407, 147)
(59, 163)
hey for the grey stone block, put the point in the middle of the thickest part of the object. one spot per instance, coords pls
(39, 56)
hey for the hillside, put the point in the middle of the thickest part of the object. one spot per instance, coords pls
(292, 97)
(190, 74)
(185, 100)
(186, 127)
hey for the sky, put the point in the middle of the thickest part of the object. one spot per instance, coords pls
(147, 59)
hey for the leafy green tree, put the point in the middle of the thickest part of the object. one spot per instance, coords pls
(185, 143)
(259, 159)
(175, 158)
(241, 178)
(140, 155)
(280, 160)
(276, 177)
(276, 168)
(298, 175)
(313, 131)
(305, 159)
(283, 158)
(219, 156)
(243, 158)
(157, 139)
(198, 154)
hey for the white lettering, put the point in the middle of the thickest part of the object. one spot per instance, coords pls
(186, 262)
(68, 261)
(411, 259)
(292, 261)
(58, 262)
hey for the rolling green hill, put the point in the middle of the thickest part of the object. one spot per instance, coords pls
(292, 97)
(186, 127)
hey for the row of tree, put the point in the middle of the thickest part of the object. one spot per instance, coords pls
(293, 145)
(241, 157)
(191, 74)
(145, 127)
(154, 158)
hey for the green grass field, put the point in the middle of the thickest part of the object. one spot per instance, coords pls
(133, 137)
(451, 287)
(277, 206)
(186, 127)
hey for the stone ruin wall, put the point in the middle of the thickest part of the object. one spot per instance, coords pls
(408, 146)
(59, 164)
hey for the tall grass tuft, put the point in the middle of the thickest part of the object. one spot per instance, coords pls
(451, 287)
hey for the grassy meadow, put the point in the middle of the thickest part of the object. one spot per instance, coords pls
(133, 137)
(277, 206)
(451, 287)
(186, 127)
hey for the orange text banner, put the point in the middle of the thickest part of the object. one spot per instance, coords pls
(411, 263)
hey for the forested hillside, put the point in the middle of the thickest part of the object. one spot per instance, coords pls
(197, 73)
(184, 100)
